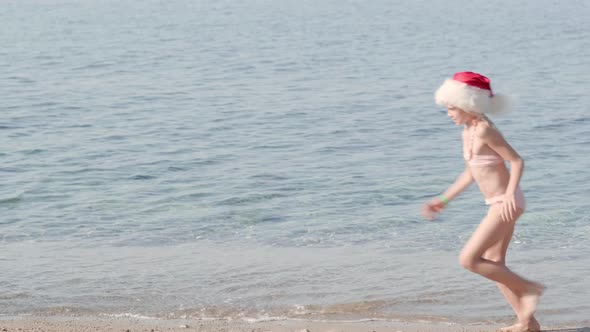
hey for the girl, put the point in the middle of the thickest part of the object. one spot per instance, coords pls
(468, 97)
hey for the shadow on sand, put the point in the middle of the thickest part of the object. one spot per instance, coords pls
(578, 329)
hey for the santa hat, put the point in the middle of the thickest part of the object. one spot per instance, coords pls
(470, 92)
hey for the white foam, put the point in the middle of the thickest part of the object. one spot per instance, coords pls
(129, 315)
(263, 319)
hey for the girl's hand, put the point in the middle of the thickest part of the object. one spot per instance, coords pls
(432, 208)
(508, 207)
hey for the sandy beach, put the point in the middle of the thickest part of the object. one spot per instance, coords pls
(126, 324)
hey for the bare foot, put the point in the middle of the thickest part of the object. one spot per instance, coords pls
(529, 301)
(515, 327)
(531, 326)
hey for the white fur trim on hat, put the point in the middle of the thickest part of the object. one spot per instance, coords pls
(469, 98)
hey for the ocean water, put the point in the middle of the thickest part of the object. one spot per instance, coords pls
(268, 159)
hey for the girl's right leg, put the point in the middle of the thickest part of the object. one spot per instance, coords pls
(497, 253)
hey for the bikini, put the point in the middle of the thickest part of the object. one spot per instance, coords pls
(480, 160)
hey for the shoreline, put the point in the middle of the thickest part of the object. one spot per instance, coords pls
(131, 324)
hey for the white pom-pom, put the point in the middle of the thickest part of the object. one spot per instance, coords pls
(499, 104)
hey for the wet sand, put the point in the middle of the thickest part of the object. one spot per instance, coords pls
(126, 324)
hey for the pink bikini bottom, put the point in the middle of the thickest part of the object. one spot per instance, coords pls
(518, 195)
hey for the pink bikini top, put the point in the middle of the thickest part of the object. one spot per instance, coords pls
(484, 159)
(479, 159)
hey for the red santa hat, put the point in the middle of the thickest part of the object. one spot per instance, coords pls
(470, 92)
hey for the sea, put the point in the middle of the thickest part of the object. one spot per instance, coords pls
(268, 159)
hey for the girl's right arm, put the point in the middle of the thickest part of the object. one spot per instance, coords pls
(461, 183)
(436, 205)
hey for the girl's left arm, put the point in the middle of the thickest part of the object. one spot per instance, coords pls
(494, 140)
